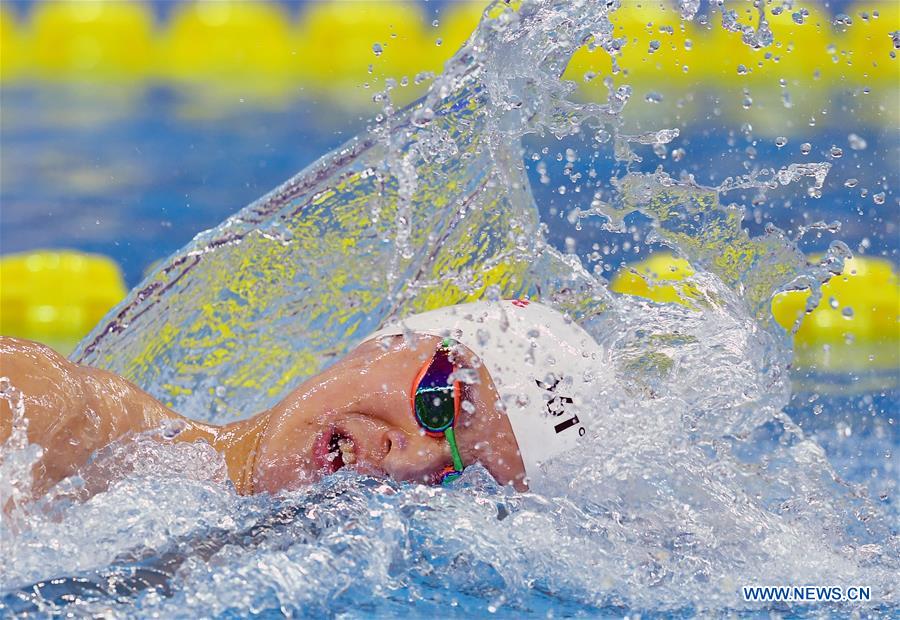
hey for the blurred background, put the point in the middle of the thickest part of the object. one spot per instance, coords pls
(127, 127)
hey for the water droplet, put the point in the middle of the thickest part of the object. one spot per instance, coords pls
(377, 48)
(833, 303)
(439, 42)
(841, 19)
(847, 312)
(422, 76)
(878, 198)
(851, 182)
(786, 100)
(836, 152)
(805, 148)
(818, 409)
(654, 45)
(653, 97)
(742, 70)
(857, 142)
(747, 103)
(780, 141)
(435, 24)
(422, 117)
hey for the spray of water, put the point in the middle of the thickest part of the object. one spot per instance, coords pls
(695, 481)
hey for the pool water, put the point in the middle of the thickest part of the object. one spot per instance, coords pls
(715, 463)
(109, 182)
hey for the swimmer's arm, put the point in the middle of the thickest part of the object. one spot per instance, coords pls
(72, 410)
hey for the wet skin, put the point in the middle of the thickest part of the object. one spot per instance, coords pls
(355, 414)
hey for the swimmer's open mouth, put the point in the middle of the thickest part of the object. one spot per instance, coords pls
(338, 450)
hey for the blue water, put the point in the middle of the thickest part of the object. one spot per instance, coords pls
(134, 174)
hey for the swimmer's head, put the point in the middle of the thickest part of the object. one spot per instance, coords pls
(520, 403)
(357, 415)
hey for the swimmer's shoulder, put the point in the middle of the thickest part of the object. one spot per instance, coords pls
(36, 377)
(14, 350)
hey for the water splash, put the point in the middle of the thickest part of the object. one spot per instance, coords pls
(695, 483)
(17, 457)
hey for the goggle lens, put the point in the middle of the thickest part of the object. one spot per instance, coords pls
(434, 402)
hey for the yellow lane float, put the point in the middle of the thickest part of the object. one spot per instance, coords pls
(456, 23)
(867, 44)
(343, 45)
(13, 62)
(657, 278)
(330, 45)
(56, 297)
(855, 325)
(227, 40)
(91, 39)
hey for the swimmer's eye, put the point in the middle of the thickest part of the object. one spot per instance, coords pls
(435, 402)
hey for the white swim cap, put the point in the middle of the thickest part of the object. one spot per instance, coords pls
(542, 364)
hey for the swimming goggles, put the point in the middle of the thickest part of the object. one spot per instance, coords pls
(436, 402)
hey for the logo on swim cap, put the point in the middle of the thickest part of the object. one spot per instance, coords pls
(556, 406)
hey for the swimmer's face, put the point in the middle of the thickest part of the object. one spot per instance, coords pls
(357, 415)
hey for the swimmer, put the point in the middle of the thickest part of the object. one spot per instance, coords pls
(495, 383)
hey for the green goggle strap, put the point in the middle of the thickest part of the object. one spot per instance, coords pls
(451, 439)
(451, 436)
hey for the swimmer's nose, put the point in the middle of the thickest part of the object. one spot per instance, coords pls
(394, 440)
(418, 458)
